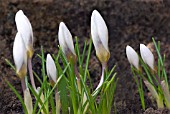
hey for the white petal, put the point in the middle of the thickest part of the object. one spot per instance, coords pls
(132, 57)
(25, 28)
(19, 52)
(38, 90)
(51, 68)
(99, 30)
(28, 101)
(147, 56)
(65, 38)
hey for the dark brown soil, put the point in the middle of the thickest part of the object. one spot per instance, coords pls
(130, 22)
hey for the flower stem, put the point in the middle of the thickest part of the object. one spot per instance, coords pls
(78, 78)
(159, 101)
(23, 84)
(102, 77)
(57, 98)
(158, 79)
(31, 73)
(76, 72)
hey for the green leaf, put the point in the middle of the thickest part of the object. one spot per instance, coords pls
(18, 95)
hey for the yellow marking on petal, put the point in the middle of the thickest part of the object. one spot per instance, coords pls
(30, 52)
(22, 72)
(102, 54)
(52, 83)
(71, 57)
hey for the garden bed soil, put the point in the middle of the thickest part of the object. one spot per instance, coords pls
(130, 22)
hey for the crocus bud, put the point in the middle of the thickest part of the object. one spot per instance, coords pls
(20, 57)
(66, 41)
(99, 33)
(58, 103)
(166, 92)
(51, 68)
(147, 56)
(132, 56)
(28, 101)
(25, 29)
(151, 89)
(42, 99)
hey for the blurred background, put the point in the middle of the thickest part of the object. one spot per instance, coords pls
(130, 22)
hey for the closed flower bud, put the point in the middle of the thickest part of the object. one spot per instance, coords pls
(147, 56)
(151, 89)
(42, 99)
(25, 29)
(99, 33)
(166, 92)
(51, 68)
(132, 57)
(66, 41)
(20, 57)
(28, 101)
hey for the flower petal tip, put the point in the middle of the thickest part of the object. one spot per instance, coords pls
(132, 56)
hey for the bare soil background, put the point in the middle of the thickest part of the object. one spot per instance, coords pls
(130, 22)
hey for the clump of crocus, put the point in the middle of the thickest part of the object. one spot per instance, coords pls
(155, 77)
(66, 81)
(99, 34)
(25, 29)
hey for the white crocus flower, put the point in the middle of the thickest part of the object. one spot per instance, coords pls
(99, 33)
(51, 68)
(66, 41)
(132, 56)
(147, 56)
(28, 101)
(19, 55)
(24, 27)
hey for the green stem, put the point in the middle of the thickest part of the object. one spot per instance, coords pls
(159, 101)
(140, 87)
